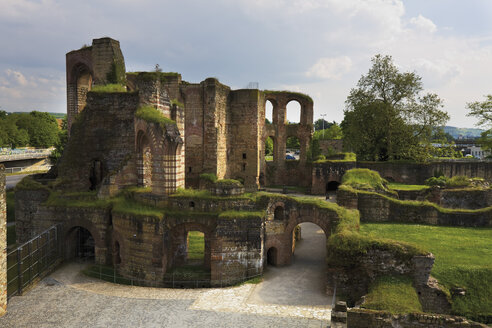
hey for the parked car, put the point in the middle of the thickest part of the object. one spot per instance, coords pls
(289, 157)
(297, 152)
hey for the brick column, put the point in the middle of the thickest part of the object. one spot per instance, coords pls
(3, 243)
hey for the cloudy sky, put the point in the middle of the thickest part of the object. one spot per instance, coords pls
(319, 47)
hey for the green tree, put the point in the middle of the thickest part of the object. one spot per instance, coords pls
(483, 111)
(57, 153)
(386, 118)
(293, 143)
(333, 132)
(41, 127)
(321, 124)
(269, 146)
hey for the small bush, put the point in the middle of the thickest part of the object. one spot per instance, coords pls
(209, 177)
(454, 182)
(28, 183)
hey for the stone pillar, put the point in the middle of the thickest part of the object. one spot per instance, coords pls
(3, 243)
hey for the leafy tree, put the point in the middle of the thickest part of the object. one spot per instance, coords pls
(386, 118)
(333, 132)
(483, 111)
(321, 124)
(293, 143)
(41, 127)
(57, 153)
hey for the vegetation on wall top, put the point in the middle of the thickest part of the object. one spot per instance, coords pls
(108, 88)
(151, 114)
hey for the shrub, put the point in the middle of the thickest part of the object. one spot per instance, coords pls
(364, 179)
(209, 177)
(150, 114)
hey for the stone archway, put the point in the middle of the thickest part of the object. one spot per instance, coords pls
(178, 248)
(82, 238)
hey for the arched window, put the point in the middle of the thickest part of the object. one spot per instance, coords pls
(268, 112)
(293, 115)
(278, 214)
(144, 160)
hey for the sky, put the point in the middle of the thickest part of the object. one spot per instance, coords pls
(318, 47)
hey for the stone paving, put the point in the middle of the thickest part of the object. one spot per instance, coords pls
(68, 299)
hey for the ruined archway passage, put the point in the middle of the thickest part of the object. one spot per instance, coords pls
(303, 282)
(80, 244)
(332, 186)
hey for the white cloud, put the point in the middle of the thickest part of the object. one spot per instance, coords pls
(330, 68)
(17, 77)
(423, 24)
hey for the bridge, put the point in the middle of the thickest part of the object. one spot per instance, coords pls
(18, 160)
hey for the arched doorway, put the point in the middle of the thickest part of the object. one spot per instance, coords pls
(272, 256)
(80, 244)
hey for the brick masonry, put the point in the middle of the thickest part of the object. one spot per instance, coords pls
(3, 243)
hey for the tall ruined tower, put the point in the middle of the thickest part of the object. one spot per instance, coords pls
(98, 64)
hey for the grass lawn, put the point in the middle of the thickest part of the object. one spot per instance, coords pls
(196, 246)
(10, 206)
(463, 259)
(269, 158)
(393, 294)
(402, 186)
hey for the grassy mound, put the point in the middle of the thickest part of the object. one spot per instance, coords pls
(463, 259)
(393, 294)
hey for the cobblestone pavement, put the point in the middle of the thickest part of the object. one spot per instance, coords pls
(67, 298)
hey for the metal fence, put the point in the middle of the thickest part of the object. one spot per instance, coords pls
(174, 279)
(33, 260)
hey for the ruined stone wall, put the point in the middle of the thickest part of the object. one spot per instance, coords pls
(194, 132)
(103, 135)
(418, 173)
(98, 64)
(324, 173)
(27, 203)
(3, 243)
(409, 173)
(330, 145)
(238, 250)
(244, 132)
(362, 318)
(374, 207)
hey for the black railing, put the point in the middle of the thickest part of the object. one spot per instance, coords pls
(174, 279)
(33, 260)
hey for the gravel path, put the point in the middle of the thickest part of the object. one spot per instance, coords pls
(66, 298)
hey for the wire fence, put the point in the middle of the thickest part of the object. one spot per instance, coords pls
(192, 278)
(33, 260)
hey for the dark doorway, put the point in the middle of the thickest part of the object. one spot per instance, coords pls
(272, 256)
(332, 186)
(96, 174)
(80, 244)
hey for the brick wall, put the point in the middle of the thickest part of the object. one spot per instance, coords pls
(3, 243)
(361, 318)
(374, 207)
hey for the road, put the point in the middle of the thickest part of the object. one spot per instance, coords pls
(12, 180)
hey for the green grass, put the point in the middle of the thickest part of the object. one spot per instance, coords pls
(76, 199)
(402, 186)
(150, 114)
(107, 88)
(196, 245)
(364, 179)
(241, 215)
(11, 235)
(128, 206)
(463, 259)
(10, 206)
(394, 294)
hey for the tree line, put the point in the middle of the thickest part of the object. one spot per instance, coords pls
(34, 129)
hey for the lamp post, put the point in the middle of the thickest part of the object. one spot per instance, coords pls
(323, 121)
